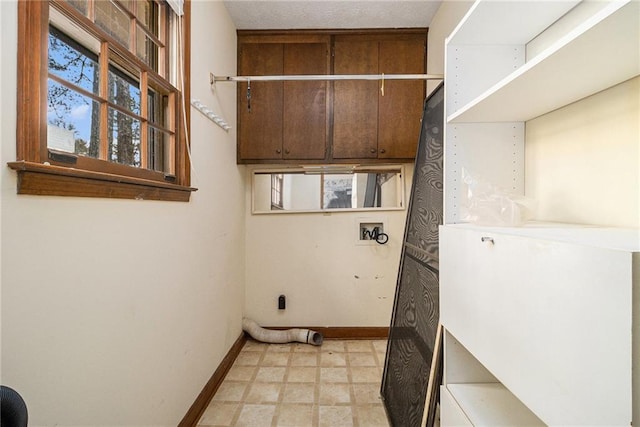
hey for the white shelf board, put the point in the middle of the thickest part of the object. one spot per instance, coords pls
(602, 52)
(501, 22)
(491, 404)
(622, 239)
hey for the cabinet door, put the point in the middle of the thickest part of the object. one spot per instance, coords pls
(400, 108)
(551, 320)
(260, 116)
(355, 105)
(305, 102)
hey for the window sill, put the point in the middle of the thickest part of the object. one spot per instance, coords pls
(48, 180)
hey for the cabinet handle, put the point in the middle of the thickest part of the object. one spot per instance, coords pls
(373, 150)
(286, 151)
(487, 239)
(383, 151)
(278, 151)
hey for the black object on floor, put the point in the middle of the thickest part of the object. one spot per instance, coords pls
(13, 409)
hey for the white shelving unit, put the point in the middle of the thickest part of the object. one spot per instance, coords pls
(542, 322)
(565, 69)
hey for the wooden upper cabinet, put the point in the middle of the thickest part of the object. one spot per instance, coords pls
(370, 124)
(282, 120)
(318, 121)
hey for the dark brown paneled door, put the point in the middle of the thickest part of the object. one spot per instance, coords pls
(400, 108)
(260, 136)
(305, 102)
(355, 106)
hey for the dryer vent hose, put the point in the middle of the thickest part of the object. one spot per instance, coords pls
(306, 336)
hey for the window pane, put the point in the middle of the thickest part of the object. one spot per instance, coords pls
(124, 90)
(158, 105)
(159, 146)
(147, 50)
(72, 62)
(113, 21)
(73, 121)
(124, 139)
(147, 13)
(337, 191)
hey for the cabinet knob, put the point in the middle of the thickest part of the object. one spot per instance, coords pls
(373, 150)
(278, 151)
(286, 151)
(383, 151)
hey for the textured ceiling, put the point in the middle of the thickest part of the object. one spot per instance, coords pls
(330, 14)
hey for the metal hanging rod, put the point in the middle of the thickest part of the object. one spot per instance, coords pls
(326, 77)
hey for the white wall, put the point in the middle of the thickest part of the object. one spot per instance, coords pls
(582, 162)
(315, 260)
(117, 312)
(444, 22)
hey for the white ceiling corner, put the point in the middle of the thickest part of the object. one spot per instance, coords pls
(330, 14)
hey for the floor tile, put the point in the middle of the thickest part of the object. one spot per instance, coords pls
(275, 359)
(302, 374)
(333, 416)
(304, 359)
(333, 359)
(263, 393)
(359, 346)
(247, 358)
(241, 373)
(306, 348)
(333, 345)
(256, 415)
(270, 374)
(371, 416)
(362, 359)
(334, 375)
(279, 348)
(218, 414)
(230, 391)
(252, 345)
(296, 384)
(332, 393)
(299, 393)
(295, 415)
(366, 393)
(365, 374)
(380, 346)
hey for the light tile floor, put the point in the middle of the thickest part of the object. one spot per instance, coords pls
(336, 384)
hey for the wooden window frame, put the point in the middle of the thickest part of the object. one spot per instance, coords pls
(277, 191)
(42, 171)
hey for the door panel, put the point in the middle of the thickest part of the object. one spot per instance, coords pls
(260, 133)
(305, 102)
(355, 105)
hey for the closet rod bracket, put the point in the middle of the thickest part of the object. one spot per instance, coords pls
(326, 77)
